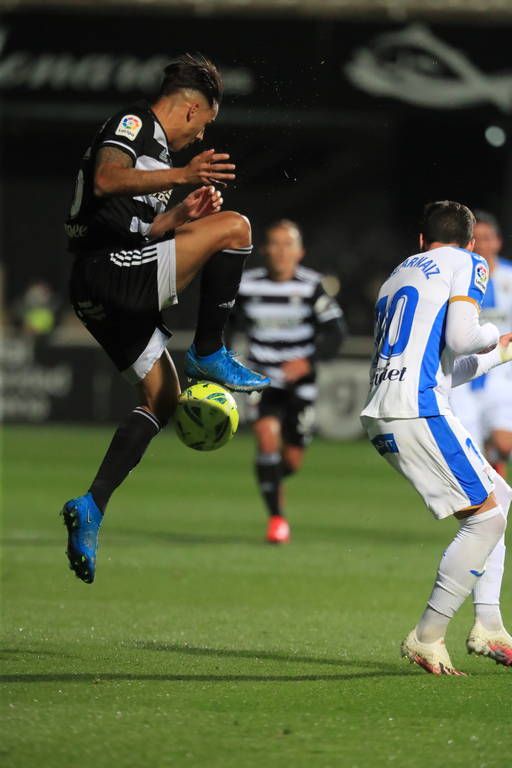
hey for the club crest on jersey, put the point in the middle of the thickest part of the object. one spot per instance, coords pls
(129, 127)
(481, 277)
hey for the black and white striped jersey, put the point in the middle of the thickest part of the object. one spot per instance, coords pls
(282, 320)
(98, 224)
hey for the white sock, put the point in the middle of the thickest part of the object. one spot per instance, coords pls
(432, 626)
(489, 616)
(486, 593)
(459, 569)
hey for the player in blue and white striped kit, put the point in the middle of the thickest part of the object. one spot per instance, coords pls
(428, 339)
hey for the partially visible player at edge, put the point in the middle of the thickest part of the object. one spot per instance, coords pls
(428, 339)
(134, 255)
(485, 405)
(290, 322)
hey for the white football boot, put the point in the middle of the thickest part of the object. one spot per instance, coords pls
(496, 645)
(432, 657)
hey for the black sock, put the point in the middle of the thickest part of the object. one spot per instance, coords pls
(269, 474)
(220, 280)
(124, 453)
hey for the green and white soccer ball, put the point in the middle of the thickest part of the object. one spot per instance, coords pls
(206, 417)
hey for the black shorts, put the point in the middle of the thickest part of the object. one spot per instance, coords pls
(294, 407)
(119, 297)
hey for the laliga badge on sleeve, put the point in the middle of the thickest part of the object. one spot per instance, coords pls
(481, 277)
(129, 127)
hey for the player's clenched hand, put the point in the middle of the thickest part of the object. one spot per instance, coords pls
(202, 202)
(293, 370)
(505, 344)
(208, 167)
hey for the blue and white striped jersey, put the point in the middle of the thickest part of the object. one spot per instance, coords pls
(412, 365)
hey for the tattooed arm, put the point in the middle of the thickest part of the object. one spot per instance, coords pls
(115, 175)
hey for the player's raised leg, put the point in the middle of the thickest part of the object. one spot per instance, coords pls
(219, 245)
(223, 240)
(158, 395)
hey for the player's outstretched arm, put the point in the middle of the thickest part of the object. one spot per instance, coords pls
(115, 174)
(472, 366)
(204, 201)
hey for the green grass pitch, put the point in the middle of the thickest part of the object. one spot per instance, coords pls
(200, 646)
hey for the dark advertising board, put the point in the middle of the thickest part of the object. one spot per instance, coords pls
(268, 63)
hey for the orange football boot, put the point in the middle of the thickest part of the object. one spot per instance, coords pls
(278, 530)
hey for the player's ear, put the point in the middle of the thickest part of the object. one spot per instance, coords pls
(471, 245)
(192, 111)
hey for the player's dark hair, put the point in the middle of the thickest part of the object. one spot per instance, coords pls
(484, 217)
(196, 72)
(446, 221)
(283, 223)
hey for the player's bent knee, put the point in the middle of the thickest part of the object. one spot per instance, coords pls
(239, 230)
(268, 444)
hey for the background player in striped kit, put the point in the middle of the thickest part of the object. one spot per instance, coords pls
(485, 405)
(290, 321)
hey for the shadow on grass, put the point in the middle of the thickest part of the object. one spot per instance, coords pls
(236, 653)
(108, 677)
(374, 669)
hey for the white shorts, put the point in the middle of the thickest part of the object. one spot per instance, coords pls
(484, 405)
(438, 457)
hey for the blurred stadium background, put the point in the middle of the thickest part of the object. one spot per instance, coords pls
(346, 115)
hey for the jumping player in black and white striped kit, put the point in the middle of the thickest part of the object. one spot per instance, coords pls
(290, 322)
(134, 255)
